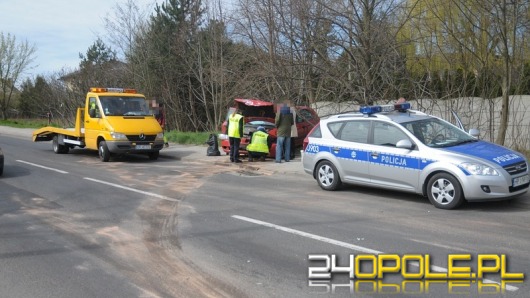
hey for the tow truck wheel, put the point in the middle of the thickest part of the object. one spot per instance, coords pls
(444, 191)
(154, 155)
(327, 176)
(104, 153)
(58, 148)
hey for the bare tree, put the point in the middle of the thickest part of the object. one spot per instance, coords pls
(209, 67)
(482, 38)
(124, 30)
(366, 32)
(61, 101)
(289, 39)
(15, 58)
(510, 17)
(326, 49)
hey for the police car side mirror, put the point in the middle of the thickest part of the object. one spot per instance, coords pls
(474, 132)
(405, 144)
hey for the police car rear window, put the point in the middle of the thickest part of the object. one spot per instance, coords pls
(334, 128)
(355, 131)
(316, 133)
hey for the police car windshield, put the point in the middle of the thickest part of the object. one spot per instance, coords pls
(436, 133)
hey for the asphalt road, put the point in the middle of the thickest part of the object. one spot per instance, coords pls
(188, 225)
(263, 231)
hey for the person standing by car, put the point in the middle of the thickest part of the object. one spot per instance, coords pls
(284, 120)
(259, 144)
(234, 128)
(294, 132)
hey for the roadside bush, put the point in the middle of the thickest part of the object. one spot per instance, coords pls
(186, 137)
(27, 123)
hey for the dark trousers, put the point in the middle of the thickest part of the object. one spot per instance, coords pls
(234, 148)
(252, 154)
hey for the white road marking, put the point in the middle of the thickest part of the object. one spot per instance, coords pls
(346, 245)
(42, 167)
(104, 182)
(133, 190)
(308, 235)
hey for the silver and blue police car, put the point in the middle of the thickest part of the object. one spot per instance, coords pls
(394, 147)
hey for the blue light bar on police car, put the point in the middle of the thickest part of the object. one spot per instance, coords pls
(384, 108)
(370, 109)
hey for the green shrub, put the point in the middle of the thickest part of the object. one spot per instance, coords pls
(187, 137)
(26, 123)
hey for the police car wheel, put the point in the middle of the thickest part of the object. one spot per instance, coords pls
(327, 176)
(104, 153)
(444, 191)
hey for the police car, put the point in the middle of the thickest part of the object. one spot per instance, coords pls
(394, 147)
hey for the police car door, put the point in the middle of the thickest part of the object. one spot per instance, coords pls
(392, 167)
(352, 136)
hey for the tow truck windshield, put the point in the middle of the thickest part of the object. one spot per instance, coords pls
(124, 106)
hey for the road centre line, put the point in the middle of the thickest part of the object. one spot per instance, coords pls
(103, 182)
(133, 190)
(346, 245)
(309, 235)
(42, 167)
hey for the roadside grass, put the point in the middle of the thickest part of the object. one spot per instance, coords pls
(26, 123)
(186, 137)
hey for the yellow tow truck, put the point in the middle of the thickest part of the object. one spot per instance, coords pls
(113, 121)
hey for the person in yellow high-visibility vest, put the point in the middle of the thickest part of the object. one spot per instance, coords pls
(259, 145)
(234, 127)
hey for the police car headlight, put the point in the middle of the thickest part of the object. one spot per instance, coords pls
(118, 136)
(479, 169)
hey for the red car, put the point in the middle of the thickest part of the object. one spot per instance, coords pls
(262, 113)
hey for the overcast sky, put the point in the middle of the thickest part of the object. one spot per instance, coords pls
(59, 29)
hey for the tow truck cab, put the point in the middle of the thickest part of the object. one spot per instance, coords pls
(121, 118)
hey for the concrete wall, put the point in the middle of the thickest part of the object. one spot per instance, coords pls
(483, 114)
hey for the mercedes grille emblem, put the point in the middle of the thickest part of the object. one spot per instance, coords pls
(142, 136)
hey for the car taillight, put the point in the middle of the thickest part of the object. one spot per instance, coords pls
(304, 144)
(306, 139)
